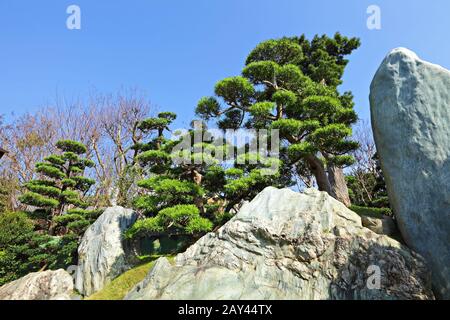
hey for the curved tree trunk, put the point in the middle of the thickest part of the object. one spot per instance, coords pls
(331, 180)
(338, 185)
(318, 170)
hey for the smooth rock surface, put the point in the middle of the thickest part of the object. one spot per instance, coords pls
(410, 106)
(288, 245)
(101, 253)
(385, 226)
(48, 285)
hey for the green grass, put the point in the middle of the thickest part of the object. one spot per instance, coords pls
(371, 212)
(120, 286)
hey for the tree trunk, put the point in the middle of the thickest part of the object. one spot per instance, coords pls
(197, 177)
(318, 170)
(331, 181)
(338, 185)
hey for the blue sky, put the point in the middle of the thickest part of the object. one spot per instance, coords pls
(175, 51)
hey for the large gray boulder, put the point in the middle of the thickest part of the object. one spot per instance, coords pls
(410, 106)
(48, 285)
(101, 254)
(288, 245)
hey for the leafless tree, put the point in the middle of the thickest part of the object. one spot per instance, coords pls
(106, 124)
(364, 169)
(364, 156)
(119, 120)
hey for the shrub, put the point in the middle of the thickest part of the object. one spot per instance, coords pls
(371, 212)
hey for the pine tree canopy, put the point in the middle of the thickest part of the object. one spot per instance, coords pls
(290, 84)
(60, 188)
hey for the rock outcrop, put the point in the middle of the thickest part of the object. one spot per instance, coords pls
(385, 225)
(410, 106)
(101, 254)
(288, 245)
(48, 285)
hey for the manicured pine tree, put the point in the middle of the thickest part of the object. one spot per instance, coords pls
(252, 171)
(176, 193)
(59, 192)
(291, 84)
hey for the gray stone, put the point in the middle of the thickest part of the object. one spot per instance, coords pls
(101, 254)
(288, 245)
(48, 285)
(410, 106)
(385, 225)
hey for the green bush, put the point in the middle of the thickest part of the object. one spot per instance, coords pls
(50, 242)
(176, 220)
(23, 251)
(371, 212)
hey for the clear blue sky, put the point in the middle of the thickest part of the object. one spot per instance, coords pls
(175, 51)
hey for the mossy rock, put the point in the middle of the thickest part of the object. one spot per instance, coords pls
(120, 286)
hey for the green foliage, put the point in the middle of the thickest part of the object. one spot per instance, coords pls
(248, 185)
(22, 250)
(71, 146)
(281, 52)
(15, 231)
(42, 189)
(262, 109)
(90, 215)
(64, 183)
(153, 156)
(198, 225)
(166, 192)
(53, 252)
(49, 171)
(235, 90)
(119, 287)
(64, 220)
(78, 226)
(60, 218)
(181, 179)
(68, 183)
(154, 124)
(290, 84)
(234, 173)
(176, 220)
(37, 200)
(82, 183)
(381, 202)
(367, 189)
(371, 212)
(56, 160)
(145, 227)
(261, 71)
(208, 107)
(14, 228)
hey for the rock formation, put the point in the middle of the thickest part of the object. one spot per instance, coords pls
(410, 106)
(48, 285)
(385, 225)
(101, 253)
(287, 245)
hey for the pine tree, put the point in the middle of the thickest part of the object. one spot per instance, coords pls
(175, 197)
(290, 84)
(253, 171)
(59, 192)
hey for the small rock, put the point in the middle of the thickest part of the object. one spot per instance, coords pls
(48, 285)
(385, 225)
